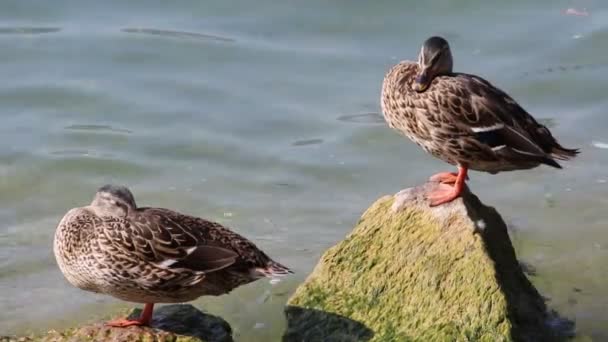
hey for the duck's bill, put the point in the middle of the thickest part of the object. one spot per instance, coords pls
(420, 83)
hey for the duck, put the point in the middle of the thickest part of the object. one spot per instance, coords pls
(153, 255)
(463, 120)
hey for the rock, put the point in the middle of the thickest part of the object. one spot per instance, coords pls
(170, 323)
(409, 272)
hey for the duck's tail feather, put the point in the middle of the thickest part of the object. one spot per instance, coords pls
(562, 153)
(551, 146)
(273, 269)
(549, 161)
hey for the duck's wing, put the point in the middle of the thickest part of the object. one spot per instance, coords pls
(248, 258)
(169, 240)
(491, 117)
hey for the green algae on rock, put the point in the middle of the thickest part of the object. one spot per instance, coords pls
(170, 323)
(410, 272)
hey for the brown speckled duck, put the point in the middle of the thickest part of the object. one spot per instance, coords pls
(464, 120)
(153, 255)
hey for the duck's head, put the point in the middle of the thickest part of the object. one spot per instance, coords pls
(435, 59)
(114, 200)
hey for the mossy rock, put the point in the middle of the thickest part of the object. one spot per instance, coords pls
(409, 272)
(170, 323)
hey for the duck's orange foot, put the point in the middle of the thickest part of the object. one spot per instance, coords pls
(144, 318)
(449, 188)
(444, 193)
(125, 322)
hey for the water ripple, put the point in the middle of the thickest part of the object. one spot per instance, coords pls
(549, 122)
(98, 128)
(28, 30)
(72, 152)
(564, 68)
(177, 34)
(365, 118)
(307, 142)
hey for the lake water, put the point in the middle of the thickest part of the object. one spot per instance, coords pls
(263, 115)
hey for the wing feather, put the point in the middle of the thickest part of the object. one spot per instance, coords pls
(168, 240)
(494, 119)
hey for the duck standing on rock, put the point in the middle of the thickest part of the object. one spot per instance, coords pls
(464, 120)
(153, 255)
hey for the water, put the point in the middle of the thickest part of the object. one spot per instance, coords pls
(263, 115)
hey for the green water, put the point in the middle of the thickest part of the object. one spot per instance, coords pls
(263, 115)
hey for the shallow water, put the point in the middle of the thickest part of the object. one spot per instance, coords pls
(264, 116)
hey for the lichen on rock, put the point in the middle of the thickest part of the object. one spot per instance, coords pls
(410, 272)
(170, 323)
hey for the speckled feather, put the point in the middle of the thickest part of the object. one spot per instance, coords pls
(155, 255)
(446, 120)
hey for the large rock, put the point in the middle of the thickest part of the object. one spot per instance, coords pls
(170, 323)
(409, 272)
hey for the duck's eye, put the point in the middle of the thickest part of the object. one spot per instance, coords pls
(121, 205)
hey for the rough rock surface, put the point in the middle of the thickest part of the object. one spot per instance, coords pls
(409, 272)
(170, 323)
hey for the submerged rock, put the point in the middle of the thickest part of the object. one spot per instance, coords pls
(170, 323)
(409, 272)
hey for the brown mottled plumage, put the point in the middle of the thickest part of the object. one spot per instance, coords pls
(153, 255)
(462, 119)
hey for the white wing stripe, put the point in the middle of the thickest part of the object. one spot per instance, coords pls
(488, 128)
(166, 263)
(524, 152)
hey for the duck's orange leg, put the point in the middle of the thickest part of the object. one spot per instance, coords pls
(446, 177)
(144, 318)
(446, 193)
